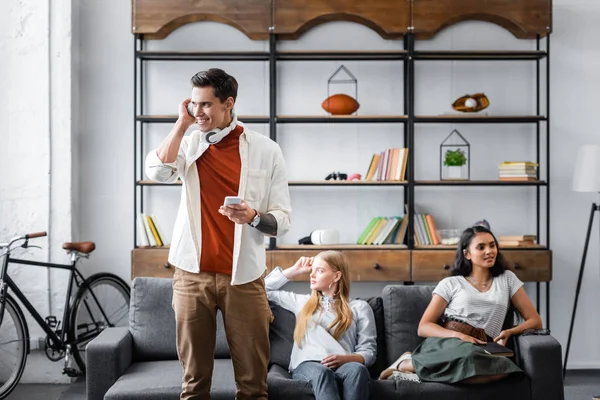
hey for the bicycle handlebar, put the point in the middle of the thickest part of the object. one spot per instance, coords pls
(25, 237)
(35, 235)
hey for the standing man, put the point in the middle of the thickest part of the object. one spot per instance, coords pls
(219, 251)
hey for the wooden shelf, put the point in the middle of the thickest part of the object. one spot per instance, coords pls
(347, 183)
(202, 55)
(332, 55)
(479, 118)
(340, 247)
(471, 55)
(453, 247)
(480, 183)
(147, 182)
(303, 119)
(261, 119)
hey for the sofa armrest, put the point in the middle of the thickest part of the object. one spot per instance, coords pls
(540, 356)
(107, 358)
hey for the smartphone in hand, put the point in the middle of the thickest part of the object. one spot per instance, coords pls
(229, 200)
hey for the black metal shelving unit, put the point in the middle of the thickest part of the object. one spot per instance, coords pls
(408, 56)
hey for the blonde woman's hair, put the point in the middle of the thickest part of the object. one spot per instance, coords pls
(337, 262)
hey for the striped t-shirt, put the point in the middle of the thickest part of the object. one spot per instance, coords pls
(485, 310)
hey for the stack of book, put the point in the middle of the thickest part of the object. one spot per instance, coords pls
(517, 171)
(389, 165)
(426, 233)
(517, 240)
(384, 230)
(149, 232)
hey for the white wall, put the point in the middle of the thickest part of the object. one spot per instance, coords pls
(103, 92)
(35, 154)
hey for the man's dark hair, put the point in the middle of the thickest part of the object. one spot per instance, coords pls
(223, 84)
(462, 266)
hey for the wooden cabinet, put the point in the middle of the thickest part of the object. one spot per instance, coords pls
(289, 19)
(151, 262)
(389, 18)
(431, 265)
(156, 19)
(367, 266)
(523, 18)
(372, 265)
(530, 265)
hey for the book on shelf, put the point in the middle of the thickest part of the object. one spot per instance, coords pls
(389, 165)
(517, 240)
(517, 171)
(496, 349)
(149, 232)
(384, 230)
(426, 233)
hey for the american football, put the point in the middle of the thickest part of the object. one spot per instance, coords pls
(340, 104)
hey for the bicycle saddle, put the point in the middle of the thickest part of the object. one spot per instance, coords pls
(82, 247)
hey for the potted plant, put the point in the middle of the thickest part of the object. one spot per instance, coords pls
(454, 160)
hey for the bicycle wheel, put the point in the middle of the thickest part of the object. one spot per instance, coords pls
(101, 302)
(14, 346)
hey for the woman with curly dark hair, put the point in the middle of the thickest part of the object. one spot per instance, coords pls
(472, 305)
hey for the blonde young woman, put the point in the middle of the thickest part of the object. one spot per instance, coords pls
(334, 338)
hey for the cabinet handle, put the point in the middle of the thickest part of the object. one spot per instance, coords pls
(517, 266)
(446, 267)
(167, 265)
(376, 266)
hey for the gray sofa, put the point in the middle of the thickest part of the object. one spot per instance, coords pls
(140, 362)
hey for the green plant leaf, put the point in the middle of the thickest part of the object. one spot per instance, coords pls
(455, 158)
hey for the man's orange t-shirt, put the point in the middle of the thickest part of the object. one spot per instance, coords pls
(219, 169)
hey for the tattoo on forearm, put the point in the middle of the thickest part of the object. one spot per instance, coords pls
(267, 224)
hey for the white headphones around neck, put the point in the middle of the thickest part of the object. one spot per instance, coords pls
(216, 135)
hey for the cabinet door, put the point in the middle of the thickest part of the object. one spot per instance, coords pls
(524, 18)
(151, 262)
(156, 19)
(431, 265)
(530, 265)
(389, 18)
(364, 265)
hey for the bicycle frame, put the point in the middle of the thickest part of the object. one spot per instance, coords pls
(74, 276)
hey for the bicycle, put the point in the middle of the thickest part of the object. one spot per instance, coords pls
(100, 301)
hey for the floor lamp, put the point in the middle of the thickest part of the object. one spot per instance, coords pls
(586, 178)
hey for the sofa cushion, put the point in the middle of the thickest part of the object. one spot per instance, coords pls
(376, 304)
(281, 334)
(161, 380)
(403, 307)
(152, 321)
(283, 387)
(513, 387)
